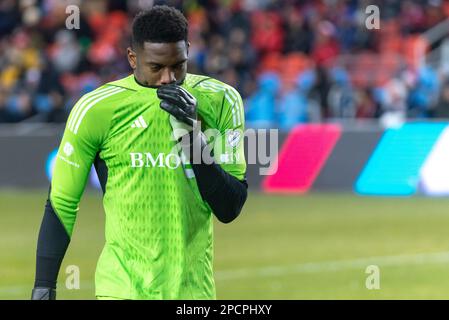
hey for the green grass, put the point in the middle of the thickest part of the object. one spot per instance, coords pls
(282, 247)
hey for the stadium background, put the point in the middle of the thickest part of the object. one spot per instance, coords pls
(362, 130)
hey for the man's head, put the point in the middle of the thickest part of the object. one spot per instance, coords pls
(159, 46)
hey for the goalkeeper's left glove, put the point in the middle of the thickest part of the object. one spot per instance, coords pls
(43, 293)
(181, 106)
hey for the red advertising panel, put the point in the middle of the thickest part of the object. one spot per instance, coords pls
(301, 158)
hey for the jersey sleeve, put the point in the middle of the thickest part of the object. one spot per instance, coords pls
(229, 145)
(83, 135)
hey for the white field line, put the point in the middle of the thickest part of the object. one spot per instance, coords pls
(280, 270)
(332, 266)
(21, 289)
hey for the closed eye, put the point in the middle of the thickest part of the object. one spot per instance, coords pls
(179, 65)
(155, 68)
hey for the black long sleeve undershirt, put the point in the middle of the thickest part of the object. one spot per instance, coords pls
(51, 247)
(224, 193)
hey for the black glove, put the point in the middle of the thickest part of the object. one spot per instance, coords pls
(41, 293)
(178, 102)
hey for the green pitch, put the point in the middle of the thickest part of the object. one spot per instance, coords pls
(282, 247)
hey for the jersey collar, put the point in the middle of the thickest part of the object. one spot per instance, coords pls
(131, 83)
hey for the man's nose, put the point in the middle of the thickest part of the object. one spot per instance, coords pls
(167, 77)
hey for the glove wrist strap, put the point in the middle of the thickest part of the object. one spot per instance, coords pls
(39, 293)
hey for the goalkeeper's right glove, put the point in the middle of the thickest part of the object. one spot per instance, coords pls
(41, 293)
(182, 107)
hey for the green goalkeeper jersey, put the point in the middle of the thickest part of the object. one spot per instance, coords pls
(159, 231)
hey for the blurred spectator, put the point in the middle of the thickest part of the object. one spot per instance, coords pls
(395, 97)
(366, 106)
(292, 61)
(9, 16)
(326, 47)
(217, 59)
(341, 95)
(321, 90)
(294, 102)
(299, 36)
(65, 53)
(442, 109)
(267, 31)
(260, 108)
(423, 95)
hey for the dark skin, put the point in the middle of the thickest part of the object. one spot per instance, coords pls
(156, 64)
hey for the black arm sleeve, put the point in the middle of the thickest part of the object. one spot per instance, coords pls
(51, 247)
(224, 193)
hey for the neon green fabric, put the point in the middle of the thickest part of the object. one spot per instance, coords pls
(159, 231)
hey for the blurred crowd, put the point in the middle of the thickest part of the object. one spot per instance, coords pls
(292, 61)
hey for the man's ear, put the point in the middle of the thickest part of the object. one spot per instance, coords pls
(132, 58)
(188, 46)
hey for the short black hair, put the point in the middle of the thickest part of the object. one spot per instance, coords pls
(160, 24)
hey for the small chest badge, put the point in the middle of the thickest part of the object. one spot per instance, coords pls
(233, 138)
(68, 149)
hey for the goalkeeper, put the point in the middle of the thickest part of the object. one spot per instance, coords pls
(162, 177)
